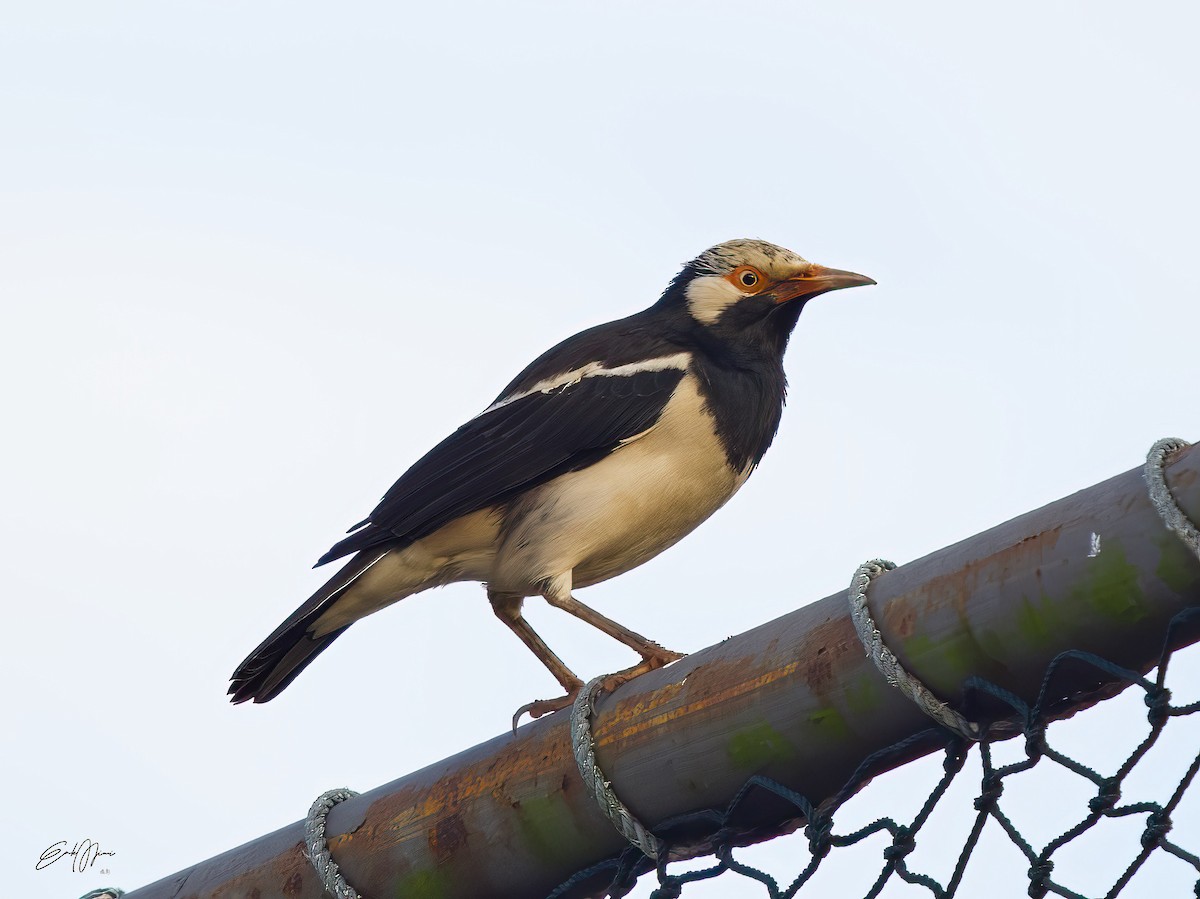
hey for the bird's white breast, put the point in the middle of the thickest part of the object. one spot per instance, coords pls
(625, 509)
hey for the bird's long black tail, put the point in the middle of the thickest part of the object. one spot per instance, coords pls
(278, 659)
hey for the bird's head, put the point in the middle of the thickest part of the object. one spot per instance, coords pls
(751, 288)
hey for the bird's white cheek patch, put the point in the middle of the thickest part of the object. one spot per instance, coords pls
(709, 296)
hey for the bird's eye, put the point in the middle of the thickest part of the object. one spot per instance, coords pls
(746, 277)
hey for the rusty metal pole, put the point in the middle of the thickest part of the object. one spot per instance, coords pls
(794, 699)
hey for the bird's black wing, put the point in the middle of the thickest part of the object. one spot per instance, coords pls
(511, 448)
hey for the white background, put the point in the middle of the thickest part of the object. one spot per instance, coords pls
(256, 258)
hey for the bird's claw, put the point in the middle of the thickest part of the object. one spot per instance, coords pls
(540, 707)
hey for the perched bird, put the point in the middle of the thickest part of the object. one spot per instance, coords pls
(606, 450)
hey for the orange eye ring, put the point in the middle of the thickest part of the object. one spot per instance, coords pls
(746, 278)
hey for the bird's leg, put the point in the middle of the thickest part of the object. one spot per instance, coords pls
(558, 594)
(508, 609)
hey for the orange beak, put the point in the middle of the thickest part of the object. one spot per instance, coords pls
(817, 280)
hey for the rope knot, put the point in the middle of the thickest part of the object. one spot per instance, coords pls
(903, 842)
(819, 831)
(993, 788)
(1039, 873)
(1158, 702)
(668, 889)
(1158, 825)
(1106, 798)
(1035, 741)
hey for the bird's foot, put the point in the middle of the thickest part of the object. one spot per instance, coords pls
(540, 707)
(659, 657)
(649, 663)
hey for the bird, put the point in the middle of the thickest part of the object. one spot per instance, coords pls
(606, 450)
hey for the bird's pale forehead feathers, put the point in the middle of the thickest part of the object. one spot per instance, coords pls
(772, 260)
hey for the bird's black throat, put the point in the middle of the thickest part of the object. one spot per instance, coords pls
(739, 364)
(738, 360)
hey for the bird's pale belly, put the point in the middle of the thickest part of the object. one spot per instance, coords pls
(622, 511)
(640, 523)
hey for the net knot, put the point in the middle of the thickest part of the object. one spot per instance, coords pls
(903, 842)
(1158, 825)
(669, 889)
(1106, 798)
(993, 788)
(1035, 741)
(819, 832)
(1039, 873)
(1158, 702)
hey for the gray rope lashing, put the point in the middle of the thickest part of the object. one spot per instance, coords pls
(1160, 494)
(597, 785)
(887, 663)
(318, 848)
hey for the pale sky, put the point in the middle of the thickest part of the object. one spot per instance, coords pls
(257, 258)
